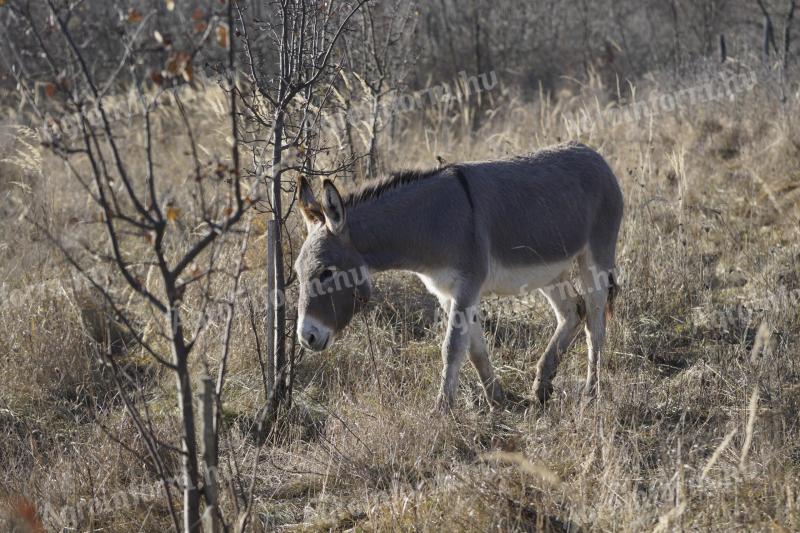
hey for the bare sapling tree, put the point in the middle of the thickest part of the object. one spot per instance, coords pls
(787, 27)
(378, 53)
(769, 31)
(160, 253)
(289, 57)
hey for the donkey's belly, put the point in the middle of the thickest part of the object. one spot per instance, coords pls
(517, 280)
(441, 283)
(500, 280)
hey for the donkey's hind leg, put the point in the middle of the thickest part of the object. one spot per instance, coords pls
(599, 289)
(460, 317)
(569, 309)
(479, 356)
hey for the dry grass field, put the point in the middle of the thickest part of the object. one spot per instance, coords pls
(697, 425)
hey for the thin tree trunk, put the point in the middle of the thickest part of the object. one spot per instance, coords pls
(191, 493)
(786, 33)
(270, 343)
(767, 37)
(450, 45)
(278, 296)
(476, 112)
(351, 146)
(372, 160)
(676, 38)
(210, 517)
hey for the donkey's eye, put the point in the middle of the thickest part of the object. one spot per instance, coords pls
(325, 275)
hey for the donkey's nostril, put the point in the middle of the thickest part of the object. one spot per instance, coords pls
(311, 338)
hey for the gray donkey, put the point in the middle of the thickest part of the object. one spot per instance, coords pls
(470, 230)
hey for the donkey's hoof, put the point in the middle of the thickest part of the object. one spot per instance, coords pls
(444, 405)
(543, 390)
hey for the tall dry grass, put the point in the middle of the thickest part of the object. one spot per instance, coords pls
(696, 426)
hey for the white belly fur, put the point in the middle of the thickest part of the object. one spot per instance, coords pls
(517, 281)
(440, 283)
(500, 281)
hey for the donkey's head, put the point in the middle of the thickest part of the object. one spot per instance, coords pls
(334, 279)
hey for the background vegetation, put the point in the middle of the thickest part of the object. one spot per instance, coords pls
(697, 423)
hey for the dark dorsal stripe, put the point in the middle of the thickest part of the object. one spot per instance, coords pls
(375, 188)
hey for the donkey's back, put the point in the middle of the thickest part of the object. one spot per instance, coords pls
(547, 206)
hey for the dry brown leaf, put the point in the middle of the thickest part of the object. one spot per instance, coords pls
(134, 15)
(222, 35)
(179, 64)
(156, 77)
(173, 213)
(50, 90)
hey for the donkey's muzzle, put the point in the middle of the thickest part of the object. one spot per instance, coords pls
(313, 336)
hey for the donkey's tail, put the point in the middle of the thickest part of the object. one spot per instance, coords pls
(613, 290)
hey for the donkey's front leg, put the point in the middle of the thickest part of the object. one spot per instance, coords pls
(454, 349)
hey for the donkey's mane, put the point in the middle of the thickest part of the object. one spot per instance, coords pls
(375, 188)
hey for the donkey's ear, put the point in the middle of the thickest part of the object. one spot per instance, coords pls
(309, 207)
(333, 207)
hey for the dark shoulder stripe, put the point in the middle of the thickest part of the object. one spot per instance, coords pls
(462, 179)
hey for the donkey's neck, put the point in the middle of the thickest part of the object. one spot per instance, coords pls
(385, 236)
(409, 228)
